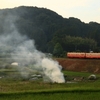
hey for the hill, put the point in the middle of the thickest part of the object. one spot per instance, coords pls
(52, 33)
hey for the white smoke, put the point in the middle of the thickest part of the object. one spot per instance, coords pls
(52, 69)
(24, 52)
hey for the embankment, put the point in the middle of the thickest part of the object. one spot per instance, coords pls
(81, 65)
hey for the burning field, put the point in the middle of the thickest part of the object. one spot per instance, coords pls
(23, 52)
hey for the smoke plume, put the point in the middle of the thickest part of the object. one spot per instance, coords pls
(23, 51)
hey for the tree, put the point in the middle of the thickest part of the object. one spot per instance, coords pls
(58, 50)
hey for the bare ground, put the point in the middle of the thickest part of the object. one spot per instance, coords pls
(80, 65)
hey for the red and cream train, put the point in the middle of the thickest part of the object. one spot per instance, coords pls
(83, 55)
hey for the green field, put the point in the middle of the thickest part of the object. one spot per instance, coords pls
(15, 87)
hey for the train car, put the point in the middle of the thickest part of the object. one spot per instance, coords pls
(75, 55)
(93, 55)
(83, 55)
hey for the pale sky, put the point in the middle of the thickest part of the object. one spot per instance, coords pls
(85, 10)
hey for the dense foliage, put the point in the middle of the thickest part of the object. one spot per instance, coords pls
(52, 32)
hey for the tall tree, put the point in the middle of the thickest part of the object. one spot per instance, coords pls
(58, 50)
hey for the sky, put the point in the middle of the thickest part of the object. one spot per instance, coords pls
(85, 10)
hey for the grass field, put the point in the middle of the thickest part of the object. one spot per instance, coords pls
(15, 87)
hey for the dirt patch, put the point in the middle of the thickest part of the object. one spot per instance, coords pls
(81, 65)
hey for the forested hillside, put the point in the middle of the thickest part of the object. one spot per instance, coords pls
(53, 33)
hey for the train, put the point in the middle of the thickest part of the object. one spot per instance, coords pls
(83, 55)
